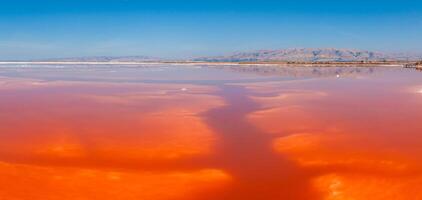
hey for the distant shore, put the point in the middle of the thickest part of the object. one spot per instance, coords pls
(416, 65)
(292, 64)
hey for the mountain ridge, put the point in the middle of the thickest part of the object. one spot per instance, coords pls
(277, 55)
(310, 55)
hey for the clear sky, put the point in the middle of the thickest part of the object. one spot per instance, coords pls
(180, 29)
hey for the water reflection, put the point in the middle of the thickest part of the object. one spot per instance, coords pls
(313, 135)
(360, 137)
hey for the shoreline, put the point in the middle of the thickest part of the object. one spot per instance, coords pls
(281, 64)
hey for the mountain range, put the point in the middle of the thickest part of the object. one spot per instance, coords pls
(284, 55)
(310, 55)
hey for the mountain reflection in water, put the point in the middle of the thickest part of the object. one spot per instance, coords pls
(189, 132)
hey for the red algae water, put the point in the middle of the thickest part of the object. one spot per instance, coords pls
(167, 132)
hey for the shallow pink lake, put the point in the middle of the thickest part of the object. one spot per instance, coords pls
(192, 132)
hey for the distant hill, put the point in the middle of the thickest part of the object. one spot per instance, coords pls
(308, 55)
(286, 55)
(105, 59)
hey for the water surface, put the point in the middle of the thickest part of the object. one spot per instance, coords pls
(198, 132)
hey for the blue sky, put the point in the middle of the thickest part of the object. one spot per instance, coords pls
(182, 29)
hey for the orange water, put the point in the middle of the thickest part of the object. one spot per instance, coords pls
(333, 138)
